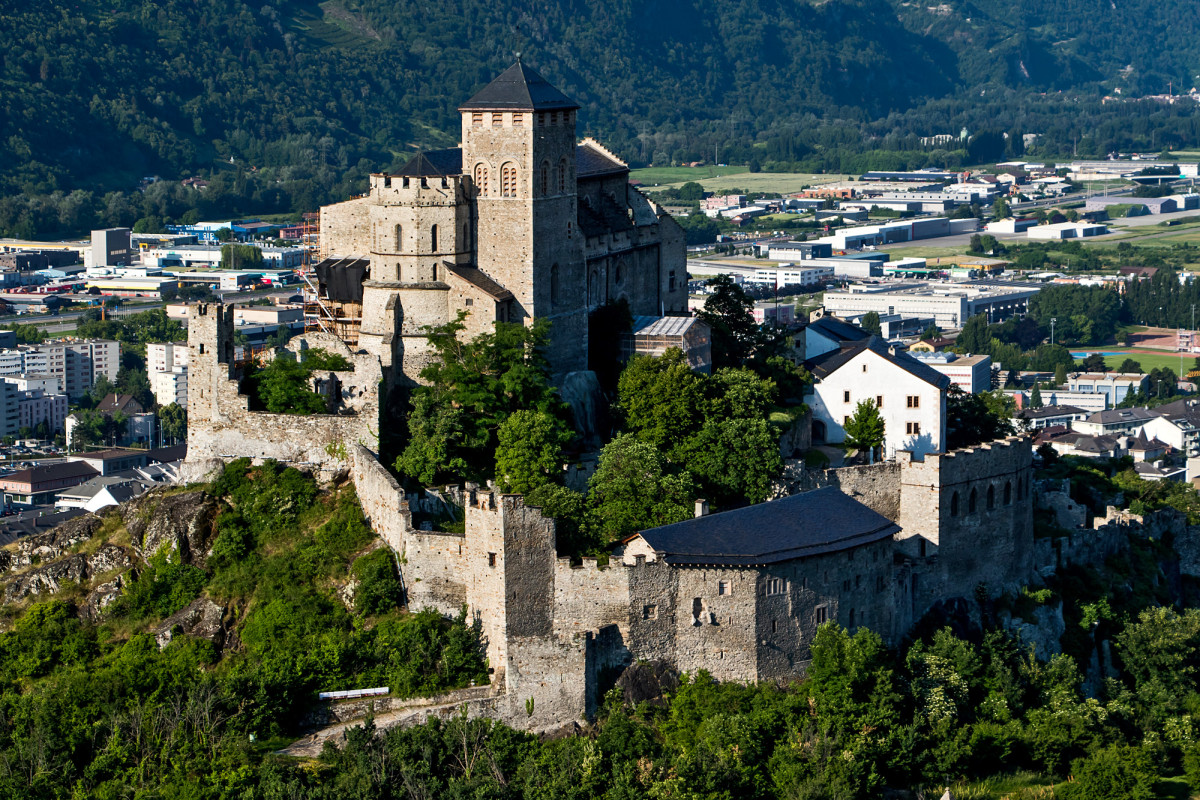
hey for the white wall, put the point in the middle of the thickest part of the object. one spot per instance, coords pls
(882, 377)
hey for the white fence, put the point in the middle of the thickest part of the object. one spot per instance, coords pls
(351, 694)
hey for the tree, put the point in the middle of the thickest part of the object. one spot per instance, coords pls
(1035, 397)
(1129, 366)
(932, 332)
(1060, 374)
(735, 459)
(865, 429)
(1000, 209)
(1094, 363)
(729, 312)
(469, 390)
(632, 490)
(973, 419)
(172, 419)
(975, 337)
(529, 450)
(282, 387)
(870, 323)
(661, 399)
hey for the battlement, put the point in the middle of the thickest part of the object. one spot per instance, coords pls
(445, 190)
(998, 457)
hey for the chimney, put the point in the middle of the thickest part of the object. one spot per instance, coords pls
(701, 508)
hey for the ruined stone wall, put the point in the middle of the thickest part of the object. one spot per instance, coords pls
(654, 609)
(435, 572)
(381, 497)
(221, 427)
(1110, 537)
(588, 597)
(546, 683)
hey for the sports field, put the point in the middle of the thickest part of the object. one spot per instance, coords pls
(1148, 359)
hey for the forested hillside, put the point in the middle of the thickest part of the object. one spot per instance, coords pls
(288, 104)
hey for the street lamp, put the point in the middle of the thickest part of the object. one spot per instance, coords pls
(1052, 321)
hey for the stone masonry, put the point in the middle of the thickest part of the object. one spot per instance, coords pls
(221, 426)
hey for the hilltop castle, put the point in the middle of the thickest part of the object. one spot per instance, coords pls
(519, 221)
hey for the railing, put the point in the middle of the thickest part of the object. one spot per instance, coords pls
(351, 694)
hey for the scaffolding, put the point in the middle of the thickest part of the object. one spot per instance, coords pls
(343, 319)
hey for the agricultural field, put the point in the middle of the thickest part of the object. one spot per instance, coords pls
(1115, 355)
(717, 179)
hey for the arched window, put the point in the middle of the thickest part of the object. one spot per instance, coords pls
(972, 504)
(852, 618)
(481, 180)
(545, 178)
(954, 505)
(617, 273)
(508, 180)
(398, 232)
(1007, 492)
(991, 500)
(433, 239)
(562, 176)
(554, 286)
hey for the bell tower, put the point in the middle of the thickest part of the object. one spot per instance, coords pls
(518, 161)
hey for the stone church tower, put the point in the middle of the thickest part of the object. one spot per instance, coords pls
(518, 146)
(519, 222)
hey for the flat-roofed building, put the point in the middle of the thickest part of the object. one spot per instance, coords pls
(1115, 386)
(950, 304)
(972, 374)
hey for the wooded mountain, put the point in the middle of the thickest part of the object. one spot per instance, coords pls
(96, 94)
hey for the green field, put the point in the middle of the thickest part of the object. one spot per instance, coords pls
(654, 176)
(1148, 361)
(718, 179)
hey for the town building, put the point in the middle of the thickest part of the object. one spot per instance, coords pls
(39, 485)
(949, 304)
(36, 407)
(971, 374)
(1115, 386)
(910, 396)
(1048, 417)
(110, 248)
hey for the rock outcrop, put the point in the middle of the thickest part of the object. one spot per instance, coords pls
(201, 620)
(100, 598)
(51, 544)
(73, 568)
(181, 523)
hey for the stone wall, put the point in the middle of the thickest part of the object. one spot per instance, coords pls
(966, 519)
(221, 427)
(381, 496)
(877, 486)
(1110, 537)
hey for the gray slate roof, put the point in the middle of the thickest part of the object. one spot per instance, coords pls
(434, 163)
(824, 365)
(519, 88)
(838, 330)
(821, 521)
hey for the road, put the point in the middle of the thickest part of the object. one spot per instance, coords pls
(69, 320)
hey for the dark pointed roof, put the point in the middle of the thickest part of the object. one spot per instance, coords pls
(519, 88)
(825, 365)
(432, 164)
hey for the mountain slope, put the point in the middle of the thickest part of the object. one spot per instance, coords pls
(95, 94)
